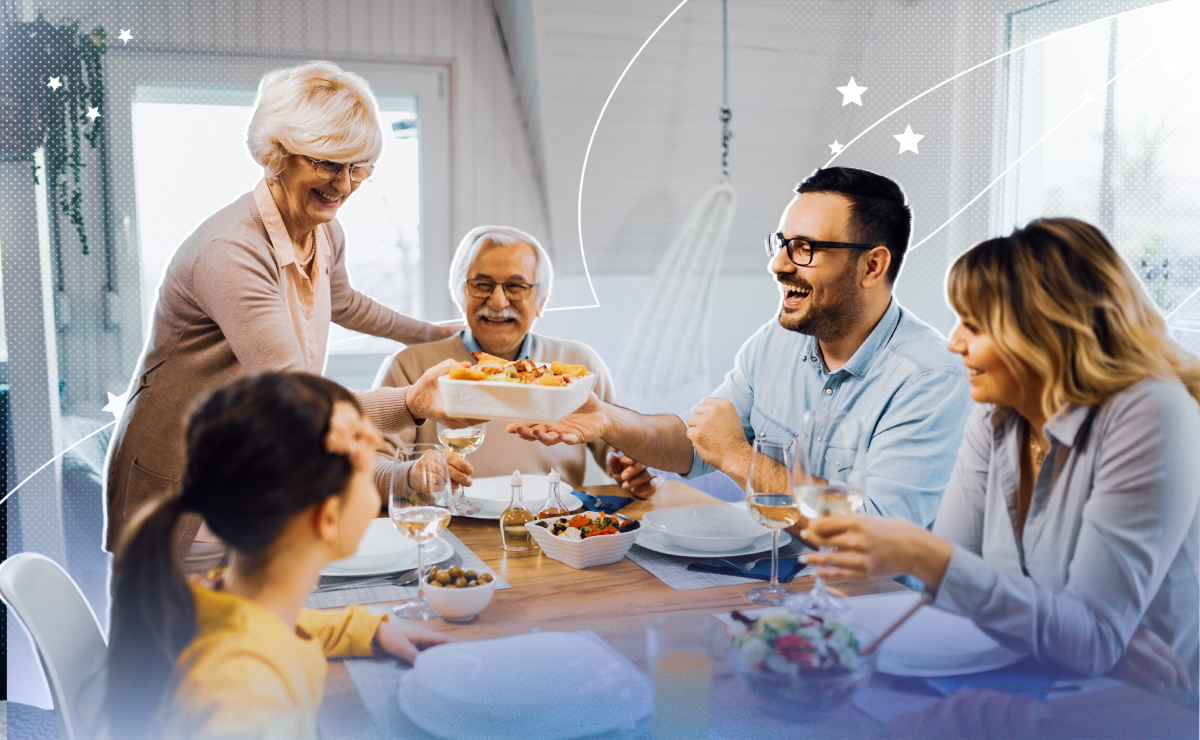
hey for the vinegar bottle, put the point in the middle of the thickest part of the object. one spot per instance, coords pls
(554, 504)
(513, 533)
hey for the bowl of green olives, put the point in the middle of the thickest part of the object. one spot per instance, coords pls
(458, 595)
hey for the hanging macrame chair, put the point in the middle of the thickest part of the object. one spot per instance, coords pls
(665, 365)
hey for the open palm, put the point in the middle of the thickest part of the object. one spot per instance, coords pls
(584, 425)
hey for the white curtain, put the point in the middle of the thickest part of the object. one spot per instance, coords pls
(665, 365)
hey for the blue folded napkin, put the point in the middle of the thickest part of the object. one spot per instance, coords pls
(1027, 677)
(789, 568)
(613, 502)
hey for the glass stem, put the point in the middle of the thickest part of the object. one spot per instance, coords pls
(774, 558)
(818, 588)
(421, 569)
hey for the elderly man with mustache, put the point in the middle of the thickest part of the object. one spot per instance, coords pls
(841, 345)
(501, 278)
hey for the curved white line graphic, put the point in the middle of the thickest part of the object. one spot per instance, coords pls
(43, 467)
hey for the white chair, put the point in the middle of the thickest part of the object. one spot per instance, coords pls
(69, 642)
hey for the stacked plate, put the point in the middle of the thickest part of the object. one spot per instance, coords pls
(705, 532)
(383, 549)
(494, 494)
(498, 689)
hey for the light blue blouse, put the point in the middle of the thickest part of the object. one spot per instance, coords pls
(1111, 538)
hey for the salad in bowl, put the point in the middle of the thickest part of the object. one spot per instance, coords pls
(787, 657)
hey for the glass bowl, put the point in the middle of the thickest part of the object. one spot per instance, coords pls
(804, 690)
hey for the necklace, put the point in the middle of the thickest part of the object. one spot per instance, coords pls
(312, 250)
(1039, 455)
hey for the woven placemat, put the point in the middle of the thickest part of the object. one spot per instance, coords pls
(672, 569)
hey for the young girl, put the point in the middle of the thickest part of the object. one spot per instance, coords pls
(279, 465)
(1069, 530)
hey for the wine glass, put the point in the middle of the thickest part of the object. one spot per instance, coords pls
(463, 441)
(843, 450)
(771, 503)
(419, 505)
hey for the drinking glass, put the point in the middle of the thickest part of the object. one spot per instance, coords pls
(419, 505)
(464, 442)
(843, 448)
(771, 503)
(680, 649)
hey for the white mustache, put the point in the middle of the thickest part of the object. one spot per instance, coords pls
(487, 312)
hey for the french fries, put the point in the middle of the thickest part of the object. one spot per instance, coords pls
(497, 369)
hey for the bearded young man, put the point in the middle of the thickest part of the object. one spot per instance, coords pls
(841, 345)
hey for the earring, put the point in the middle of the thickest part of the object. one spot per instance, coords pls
(276, 178)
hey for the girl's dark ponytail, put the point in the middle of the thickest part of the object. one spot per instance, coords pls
(153, 620)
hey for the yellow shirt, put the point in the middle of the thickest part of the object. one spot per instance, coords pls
(246, 675)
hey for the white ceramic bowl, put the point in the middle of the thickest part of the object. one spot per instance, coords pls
(459, 604)
(381, 545)
(706, 528)
(579, 554)
(538, 404)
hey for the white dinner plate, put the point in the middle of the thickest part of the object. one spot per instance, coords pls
(494, 493)
(931, 643)
(573, 503)
(435, 553)
(497, 689)
(652, 540)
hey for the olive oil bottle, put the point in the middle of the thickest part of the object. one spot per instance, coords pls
(513, 533)
(554, 505)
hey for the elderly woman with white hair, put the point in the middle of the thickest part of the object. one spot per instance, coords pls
(501, 279)
(254, 289)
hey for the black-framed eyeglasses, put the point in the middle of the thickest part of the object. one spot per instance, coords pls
(329, 170)
(512, 291)
(800, 249)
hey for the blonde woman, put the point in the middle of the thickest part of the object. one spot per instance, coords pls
(1070, 526)
(255, 287)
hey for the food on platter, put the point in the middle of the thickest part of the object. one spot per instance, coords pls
(456, 577)
(497, 370)
(587, 524)
(788, 643)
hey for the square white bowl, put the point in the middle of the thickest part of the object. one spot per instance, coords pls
(492, 400)
(586, 553)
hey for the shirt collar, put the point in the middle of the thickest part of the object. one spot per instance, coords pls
(1064, 426)
(468, 340)
(281, 243)
(860, 361)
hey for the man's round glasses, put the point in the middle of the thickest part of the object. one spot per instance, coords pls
(800, 249)
(329, 170)
(512, 291)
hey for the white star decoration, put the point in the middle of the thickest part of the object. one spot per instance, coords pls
(908, 140)
(125, 36)
(54, 83)
(1089, 98)
(852, 93)
(116, 404)
(836, 148)
(93, 114)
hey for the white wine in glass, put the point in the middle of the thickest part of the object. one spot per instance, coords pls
(419, 506)
(771, 504)
(464, 442)
(774, 510)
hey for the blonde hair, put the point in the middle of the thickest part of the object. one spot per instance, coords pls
(317, 110)
(1058, 301)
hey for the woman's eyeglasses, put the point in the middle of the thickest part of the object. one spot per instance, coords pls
(512, 291)
(329, 170)
(800, 250)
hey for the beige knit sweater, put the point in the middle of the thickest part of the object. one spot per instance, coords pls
(501, 452)
(220, 315)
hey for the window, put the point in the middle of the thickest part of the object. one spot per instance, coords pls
(201, 130)
(1128, 162)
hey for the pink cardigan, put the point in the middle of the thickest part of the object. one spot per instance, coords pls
(221, 315)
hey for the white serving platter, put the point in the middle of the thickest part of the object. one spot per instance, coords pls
(496, 401)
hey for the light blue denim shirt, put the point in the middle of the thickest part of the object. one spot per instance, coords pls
(469, 341)
(908, 389)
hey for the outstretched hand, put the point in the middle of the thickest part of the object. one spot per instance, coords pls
(424, 399)
(584, 425)
(405, 640)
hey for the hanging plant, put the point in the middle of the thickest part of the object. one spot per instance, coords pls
(33, 113)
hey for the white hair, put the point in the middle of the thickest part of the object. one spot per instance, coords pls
(470, 245)
(316, 110)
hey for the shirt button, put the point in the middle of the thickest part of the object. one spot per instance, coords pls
(820, 439)
(829, 391)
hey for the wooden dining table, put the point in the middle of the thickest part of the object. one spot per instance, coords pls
(616, 602)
